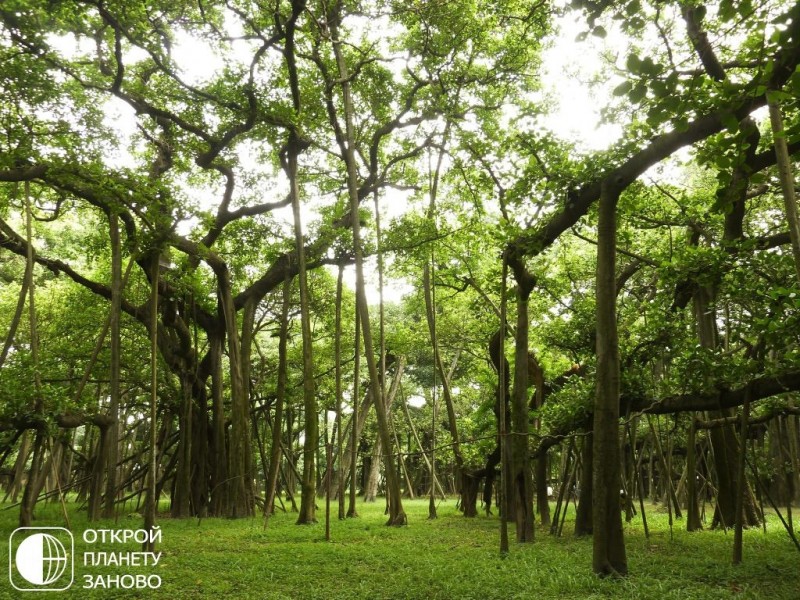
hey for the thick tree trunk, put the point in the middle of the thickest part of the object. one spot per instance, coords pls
(520, 422)
(692, 507)
(240, 499)
(542, 497)
(181, 501)
(470, 486)
(726, 457)
(371, 487)
(608, 549)
(541, 478)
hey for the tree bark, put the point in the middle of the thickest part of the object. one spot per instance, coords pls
(277, 419)
(608, 548)
(239, 497)
(520, 421)
(371, 487)
(541, 463)
(693, 522)
(182, 498)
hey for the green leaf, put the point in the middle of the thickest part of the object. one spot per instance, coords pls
(745, 8)
(637, 93)
(622, 89)
(794, 83)
(633, 8)
(730, 122)
(727, 10)
(778, 96)
(648, 67)
(633, 63)
(700, 12)
(600, 32)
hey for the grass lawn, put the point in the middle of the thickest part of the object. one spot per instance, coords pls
(451, 557)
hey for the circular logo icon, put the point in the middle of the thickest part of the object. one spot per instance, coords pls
(41, 559)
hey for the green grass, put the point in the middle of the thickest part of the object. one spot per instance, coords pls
(451, 557)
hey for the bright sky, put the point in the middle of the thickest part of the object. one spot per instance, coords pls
(568, 67)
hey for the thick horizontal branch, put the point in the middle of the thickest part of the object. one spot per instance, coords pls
(772, 241)
(23, 173)
(759, 388)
